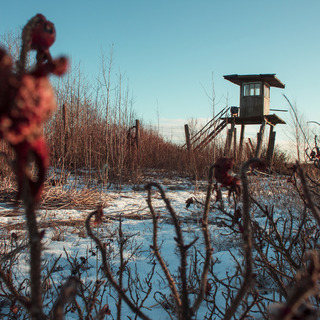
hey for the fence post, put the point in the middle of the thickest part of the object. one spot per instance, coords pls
(187, 134)
(137, 133)
(65, 131)
(136, 153)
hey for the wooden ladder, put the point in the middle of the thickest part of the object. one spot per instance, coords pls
(209, 131)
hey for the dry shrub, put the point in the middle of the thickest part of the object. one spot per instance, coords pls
(59, 198)
(82, 145)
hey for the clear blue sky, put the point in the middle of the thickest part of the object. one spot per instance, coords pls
(169, 49)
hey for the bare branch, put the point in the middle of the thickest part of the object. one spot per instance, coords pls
(67, 293)
(206, 236)
(106, 268)
(306, 193)
(155, 246)
(7, 279)
(247, 242)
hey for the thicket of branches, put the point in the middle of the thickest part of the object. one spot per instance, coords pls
(279, 256)
(95, 128)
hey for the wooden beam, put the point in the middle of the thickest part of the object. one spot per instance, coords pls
(241, 142)
(259, 139)
(229, 140)
(271, 118)
(250, 145)
(271, 143)
(235, 144)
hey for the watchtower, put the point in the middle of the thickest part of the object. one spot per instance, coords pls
(255, 92)
(254, 109)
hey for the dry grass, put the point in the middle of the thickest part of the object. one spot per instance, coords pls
(58, 197)
(62, 198)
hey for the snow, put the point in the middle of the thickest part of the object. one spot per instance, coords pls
(72, 243)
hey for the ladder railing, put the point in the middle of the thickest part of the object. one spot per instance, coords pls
(211, 135)
(209, 131)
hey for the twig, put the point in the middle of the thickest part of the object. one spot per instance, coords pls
(156, 250)
(35, 252)
(247, 242)
(206, 236)
(121, 268)
(297, 120)
(26, 34)
(306, 193)
(67, 293)
(307, 286)
(106, 268)
(7, 279)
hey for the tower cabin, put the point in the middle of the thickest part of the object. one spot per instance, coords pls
(254, 109)
(255, 93)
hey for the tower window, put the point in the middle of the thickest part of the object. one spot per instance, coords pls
(252, 89)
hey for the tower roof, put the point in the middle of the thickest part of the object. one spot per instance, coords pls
(271, 79)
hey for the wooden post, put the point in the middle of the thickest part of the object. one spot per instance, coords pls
(235, 144)
(259, 139)
(241, 142)
(136, 153)
(65, 133)
(271, 143)
(137, 133)
(250, 145)
(229, 140)
(248, 150)
(187, 133)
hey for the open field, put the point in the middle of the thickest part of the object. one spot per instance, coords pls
(127, 233)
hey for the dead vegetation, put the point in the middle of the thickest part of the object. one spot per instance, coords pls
(59, 197)
(274, 279)
(276, 276)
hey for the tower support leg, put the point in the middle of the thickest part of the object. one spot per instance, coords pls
(241, 142)
(271, 144)
(259, 139)
(229, 140)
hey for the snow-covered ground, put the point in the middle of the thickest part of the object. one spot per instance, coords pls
(65, 239)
